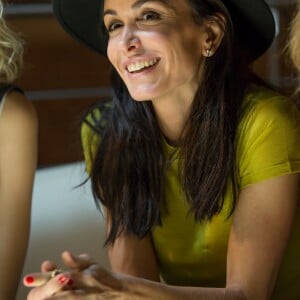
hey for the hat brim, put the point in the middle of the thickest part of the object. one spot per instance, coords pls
(80, 18)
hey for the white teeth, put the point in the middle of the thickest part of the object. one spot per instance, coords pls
(141, 65)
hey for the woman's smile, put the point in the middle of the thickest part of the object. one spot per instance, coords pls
(141, 65)
(149, 42)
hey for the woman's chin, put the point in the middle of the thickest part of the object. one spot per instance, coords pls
(145, 93)
(141, 96)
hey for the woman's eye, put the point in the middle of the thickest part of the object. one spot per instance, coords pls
(113, 26)
(150, 16)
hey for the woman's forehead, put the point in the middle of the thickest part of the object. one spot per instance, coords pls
(138, 3)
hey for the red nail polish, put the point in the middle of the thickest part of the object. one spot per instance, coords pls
(70, 282)
(29, 279)
(62, 279)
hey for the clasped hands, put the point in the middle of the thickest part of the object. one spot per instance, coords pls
(83, 279)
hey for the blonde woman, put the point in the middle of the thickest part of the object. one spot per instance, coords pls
(18, 143)
(294, 45)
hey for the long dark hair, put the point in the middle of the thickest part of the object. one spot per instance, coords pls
(128, 168)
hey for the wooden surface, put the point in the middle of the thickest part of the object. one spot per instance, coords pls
(56, 63)
(26, 1)
(53, 60)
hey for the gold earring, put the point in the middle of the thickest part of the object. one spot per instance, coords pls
(209, 52)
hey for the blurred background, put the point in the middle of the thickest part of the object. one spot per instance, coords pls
(62, 78)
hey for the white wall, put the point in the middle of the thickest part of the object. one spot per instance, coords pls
(62, 218)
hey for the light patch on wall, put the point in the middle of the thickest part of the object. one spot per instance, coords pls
(28, 9)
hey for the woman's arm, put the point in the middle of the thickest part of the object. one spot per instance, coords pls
(18, 153)
(260, 232)
(259, 235)
(261, 228)
(133, 256)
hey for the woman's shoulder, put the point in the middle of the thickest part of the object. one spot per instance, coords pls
(18, 130)
(16, 110)
(5, 89)
(13, 98)
(258, 96)
(96, 119)
(265, 106)
(268, 141)
(91, 129)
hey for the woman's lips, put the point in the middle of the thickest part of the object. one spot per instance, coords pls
(141, 65)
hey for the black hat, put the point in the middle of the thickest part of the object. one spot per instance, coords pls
(81, 18)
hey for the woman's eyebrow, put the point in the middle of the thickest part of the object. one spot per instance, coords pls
(138, 4)
(109, 12)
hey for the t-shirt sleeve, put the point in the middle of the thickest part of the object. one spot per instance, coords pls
(269, 141)
(89, 140)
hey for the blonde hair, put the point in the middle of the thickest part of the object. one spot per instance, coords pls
(11, 52)
(294, 42)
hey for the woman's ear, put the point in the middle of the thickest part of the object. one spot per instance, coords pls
(213, 36)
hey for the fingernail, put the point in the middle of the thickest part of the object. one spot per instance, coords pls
(29, 279)
(62, 279)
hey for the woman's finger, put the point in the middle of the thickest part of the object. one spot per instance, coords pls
(50, 287)
(48, 266)
(97, 279)
(38, 279)
(79, 262)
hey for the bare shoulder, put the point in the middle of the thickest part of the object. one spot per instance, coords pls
(18, 130)
(18, 112)
(16, 104)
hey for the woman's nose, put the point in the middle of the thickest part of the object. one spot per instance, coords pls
(130, 40)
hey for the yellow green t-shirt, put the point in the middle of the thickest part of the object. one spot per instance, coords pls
(268, 145)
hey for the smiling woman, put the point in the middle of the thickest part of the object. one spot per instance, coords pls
(175, 40)
(195, 160)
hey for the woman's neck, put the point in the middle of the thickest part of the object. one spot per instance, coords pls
(172, 116)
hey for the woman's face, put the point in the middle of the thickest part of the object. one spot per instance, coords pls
(155, 45)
